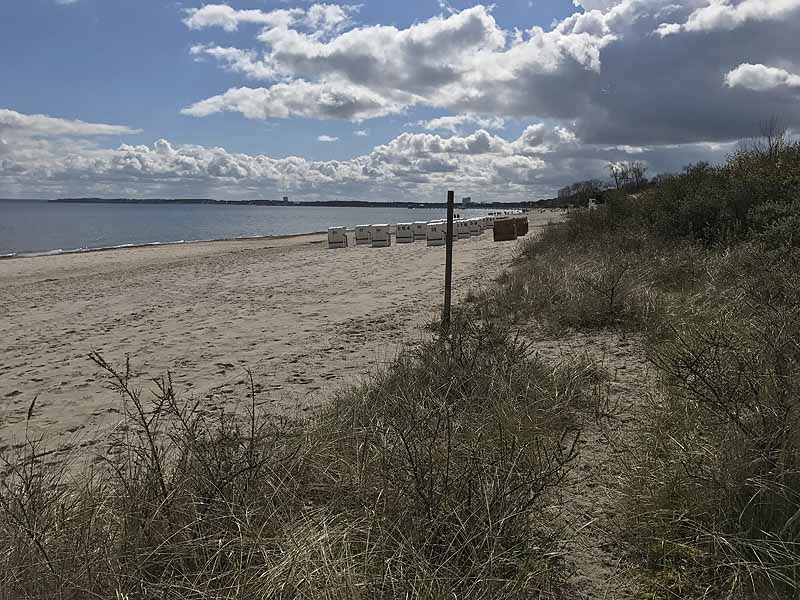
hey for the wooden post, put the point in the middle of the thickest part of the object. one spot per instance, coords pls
(448, 265)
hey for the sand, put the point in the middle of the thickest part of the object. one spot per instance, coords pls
(303, 319)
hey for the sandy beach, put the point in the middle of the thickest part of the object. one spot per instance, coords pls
(302, 318)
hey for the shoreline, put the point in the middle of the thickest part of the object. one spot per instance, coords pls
(168, 243)
(61, 252)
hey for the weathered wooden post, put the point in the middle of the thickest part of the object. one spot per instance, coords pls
(448, 266)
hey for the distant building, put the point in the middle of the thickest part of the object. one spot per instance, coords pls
(565, 192)
(466, 201)
(286, 199)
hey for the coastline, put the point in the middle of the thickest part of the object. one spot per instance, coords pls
(61, 252)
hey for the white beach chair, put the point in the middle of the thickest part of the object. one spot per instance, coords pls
(436, 233)
(404, 233)
(380, 236)
(362, 235)
(461, 229)
(337, 237)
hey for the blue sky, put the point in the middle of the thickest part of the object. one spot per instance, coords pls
(115, 61)
(235, 98)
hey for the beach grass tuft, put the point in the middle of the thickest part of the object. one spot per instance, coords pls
(436, 478)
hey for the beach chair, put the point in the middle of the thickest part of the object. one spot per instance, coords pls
(436, 233)
(404, 233)
(362, 235)
(380, 236)
(337, 237)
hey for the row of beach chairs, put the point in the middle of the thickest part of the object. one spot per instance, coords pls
(505, 228)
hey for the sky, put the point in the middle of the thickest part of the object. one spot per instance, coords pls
(379, 100)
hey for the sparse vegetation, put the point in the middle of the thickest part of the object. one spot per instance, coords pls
(705, 265)
(435, 479)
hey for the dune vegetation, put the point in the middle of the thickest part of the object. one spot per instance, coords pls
(705, 266)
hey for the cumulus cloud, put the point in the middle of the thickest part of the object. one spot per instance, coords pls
(760, 77)
(328, 100)
(321, 18)
(725, 14)
(42, 125)
(601, 5)
(417, 165)
(229, 19)
(463, 62)
(601, 71)
(459, 123)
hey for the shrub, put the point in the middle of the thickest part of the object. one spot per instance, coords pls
(715, 483)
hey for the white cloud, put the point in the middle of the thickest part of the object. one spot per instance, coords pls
(329, 100)
(412, 165)
(459, 123)
(229, 19)
(246, 62)
(329, 17)
(327, 138)
(361, 132)
(760, 77)
(725, 15)
(463, 62)
(601, 5)
(42, 125)
(418, 163)
(321, 18)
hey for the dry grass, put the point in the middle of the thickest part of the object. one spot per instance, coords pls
(706, 265)
(435, 479)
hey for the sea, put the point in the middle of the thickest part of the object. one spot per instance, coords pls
(32, 227)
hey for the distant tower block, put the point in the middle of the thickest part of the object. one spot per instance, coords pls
(466, 201)
(436, 233)
(337, 237)
(404, 233)
(362, 235)
(380, 237)
(286, 199)
(420, 228)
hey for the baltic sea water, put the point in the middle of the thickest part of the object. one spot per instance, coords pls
(37, 227)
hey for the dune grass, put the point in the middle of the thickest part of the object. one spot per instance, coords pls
(706, 266)
(436, 478)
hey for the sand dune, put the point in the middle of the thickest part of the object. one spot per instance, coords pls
(302, 318)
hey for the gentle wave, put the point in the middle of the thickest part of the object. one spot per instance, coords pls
(60, 251)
